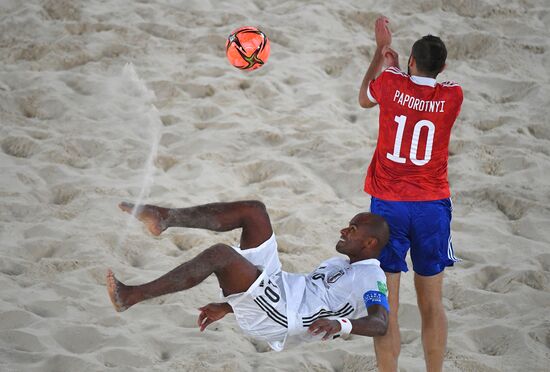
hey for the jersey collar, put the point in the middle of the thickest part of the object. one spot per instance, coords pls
(370, 261)
(422, 80)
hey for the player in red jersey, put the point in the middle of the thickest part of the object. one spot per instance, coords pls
(407, 181)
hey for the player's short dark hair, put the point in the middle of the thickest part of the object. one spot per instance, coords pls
(430, 54)
(377, 227)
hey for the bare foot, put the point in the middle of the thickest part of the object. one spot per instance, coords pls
(114, 289)
(151, 216)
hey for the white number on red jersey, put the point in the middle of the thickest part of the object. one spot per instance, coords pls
(396, 156)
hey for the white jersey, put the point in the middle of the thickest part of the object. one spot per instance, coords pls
(335, 289)
(280, 306)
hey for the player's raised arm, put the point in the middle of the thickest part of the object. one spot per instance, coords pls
(382, 35)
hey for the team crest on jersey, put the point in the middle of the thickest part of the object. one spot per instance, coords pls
(334, 277)
(382, 287)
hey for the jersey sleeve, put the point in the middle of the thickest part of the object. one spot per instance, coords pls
(460, 99)
(374, 289)
(457, 95)
(376, 88)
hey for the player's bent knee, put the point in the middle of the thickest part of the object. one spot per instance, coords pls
(256, 207)
(220, 254)
(255, 212)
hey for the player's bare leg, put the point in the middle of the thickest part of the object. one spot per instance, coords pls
(434, 320)
(388, 347)
(235, 275)
(249, 215)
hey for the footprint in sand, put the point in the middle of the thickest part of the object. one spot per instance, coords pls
(540, 131)
(119, 357)
(206, 112)
(161, 31)
(261, 171)
(62, 10)
(544, 261)
(47, 309)
(537, 280)
(12, 267)
(358, 362)
(63, 194)
(19, 147)
(497, 340)
(21, 341)
(199, 91)
(66, 363)
(487, 275)
(493, 123)
(165, 162)
(168, 120)
(187, 241)
(79, 339)
(40, 104)
(474, 45)
(16, 319)
(541, 334)
(512, 206)
(364, 19)
(332, 66)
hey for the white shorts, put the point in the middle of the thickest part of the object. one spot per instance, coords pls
(261, 310)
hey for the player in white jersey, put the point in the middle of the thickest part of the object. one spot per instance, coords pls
(342, 296)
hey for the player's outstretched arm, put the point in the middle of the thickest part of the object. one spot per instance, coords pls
(212, 312)
(374, 324)
(383, 38)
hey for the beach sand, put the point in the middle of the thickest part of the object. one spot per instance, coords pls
(106, 101)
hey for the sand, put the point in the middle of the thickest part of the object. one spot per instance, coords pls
(86, 87)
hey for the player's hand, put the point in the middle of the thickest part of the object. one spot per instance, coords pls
(391, 58)
(330, 327)
(382, 32)
(210, 313)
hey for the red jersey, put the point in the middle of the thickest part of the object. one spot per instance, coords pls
(416, 117)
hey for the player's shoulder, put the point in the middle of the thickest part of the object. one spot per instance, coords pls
(371, 266)
(368, 275)
(452, 87)
(395, 72)
(449, 84)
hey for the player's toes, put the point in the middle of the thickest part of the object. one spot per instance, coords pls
(112, 288)
(126, 207)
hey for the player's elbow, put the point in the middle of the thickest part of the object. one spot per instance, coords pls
(381, 323)
(380, 329)
(365, 102)
(383, 329)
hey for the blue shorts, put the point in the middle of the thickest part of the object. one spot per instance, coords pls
(424, 227)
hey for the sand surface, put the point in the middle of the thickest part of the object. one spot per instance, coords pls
(103, 101)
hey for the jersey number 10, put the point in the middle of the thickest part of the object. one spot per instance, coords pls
(396, 156)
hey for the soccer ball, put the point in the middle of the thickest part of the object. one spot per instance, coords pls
(247, 48)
